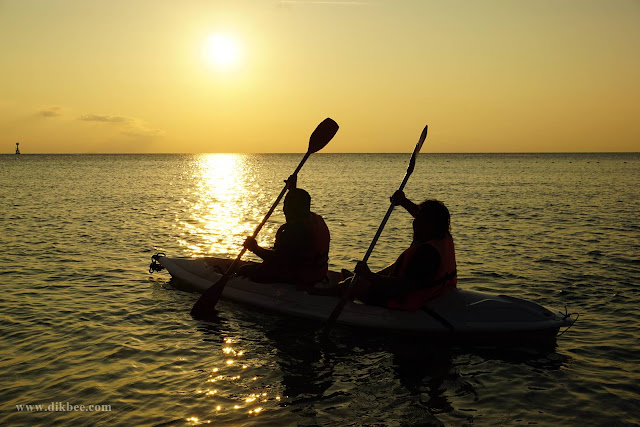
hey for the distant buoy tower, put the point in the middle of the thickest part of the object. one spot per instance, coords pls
(17, 149)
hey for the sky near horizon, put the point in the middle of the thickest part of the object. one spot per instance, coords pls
(157, 76)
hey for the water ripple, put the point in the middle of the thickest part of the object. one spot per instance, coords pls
(83, 323)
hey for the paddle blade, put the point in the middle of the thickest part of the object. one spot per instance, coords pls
(412, 162)
(203, 308)
(322, 135)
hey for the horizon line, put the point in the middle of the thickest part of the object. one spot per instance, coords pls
(350, 152)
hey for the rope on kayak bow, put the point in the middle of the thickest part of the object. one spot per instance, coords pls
(566, 316)
(155, 265)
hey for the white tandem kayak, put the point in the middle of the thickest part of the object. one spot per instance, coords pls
(457, 313)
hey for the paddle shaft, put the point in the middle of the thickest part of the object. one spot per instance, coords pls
(235, 262)
(319, 138)
(211, 296)
(384, 221)
(349, 293)
(333, 317)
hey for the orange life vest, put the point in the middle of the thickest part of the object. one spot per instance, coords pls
(445, 277)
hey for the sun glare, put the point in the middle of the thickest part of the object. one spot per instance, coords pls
(221, 51)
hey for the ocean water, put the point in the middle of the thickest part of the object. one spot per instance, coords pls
(83, 322)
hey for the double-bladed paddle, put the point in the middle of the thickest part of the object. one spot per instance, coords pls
(348, 293)
(319, 138)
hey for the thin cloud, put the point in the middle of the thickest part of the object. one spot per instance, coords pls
(128, 126)
(142, 132)
(104, 118)
(49, 112)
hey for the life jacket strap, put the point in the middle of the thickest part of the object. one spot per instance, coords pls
(444, 279)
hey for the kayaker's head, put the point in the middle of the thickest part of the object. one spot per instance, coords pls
(297, 204)
(432, 221)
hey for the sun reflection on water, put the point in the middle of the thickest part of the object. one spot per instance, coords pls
(224, 205)
(257, 400)
(216, 223)
(221, 174)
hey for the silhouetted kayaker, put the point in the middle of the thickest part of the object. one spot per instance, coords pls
(300, 253)
(423, 270)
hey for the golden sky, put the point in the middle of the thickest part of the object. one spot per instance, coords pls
(116, 76)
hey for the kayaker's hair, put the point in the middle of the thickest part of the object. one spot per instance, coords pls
(435, 212)
(298, 200)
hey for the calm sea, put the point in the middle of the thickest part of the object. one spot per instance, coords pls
(83, 323)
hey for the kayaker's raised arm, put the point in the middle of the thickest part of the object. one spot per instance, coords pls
(292, 182)
(420, 273)
(398, 198)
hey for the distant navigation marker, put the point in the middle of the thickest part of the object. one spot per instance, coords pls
(17, 149)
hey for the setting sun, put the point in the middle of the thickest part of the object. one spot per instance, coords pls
(221, 51)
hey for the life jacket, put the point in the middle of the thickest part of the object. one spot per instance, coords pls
(310, 262)
(445, 277)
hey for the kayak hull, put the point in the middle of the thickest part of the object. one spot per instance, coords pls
(456, 314)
